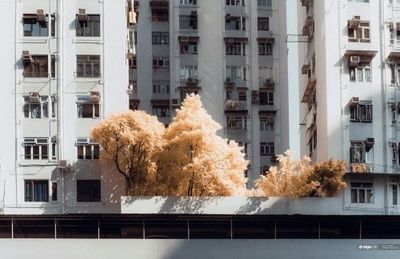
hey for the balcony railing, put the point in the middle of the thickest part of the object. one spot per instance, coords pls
(235, 105)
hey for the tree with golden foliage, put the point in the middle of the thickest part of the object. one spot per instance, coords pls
(296, 179)
(130, 140)
(196, 161)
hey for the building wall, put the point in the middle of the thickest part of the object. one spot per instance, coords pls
(65, 127)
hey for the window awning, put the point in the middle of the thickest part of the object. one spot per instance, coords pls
(273, 113)
(160, 102)
(29, 16)
(363, 53)
(394, 55)
(236, 40)
(309, 90)
(267, 40)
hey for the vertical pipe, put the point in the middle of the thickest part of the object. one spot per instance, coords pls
(144, 229)
(12, 227)
(55, 228)
(188, 229)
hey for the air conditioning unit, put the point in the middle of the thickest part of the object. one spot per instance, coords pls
(34, 96)
(355, 22)
(82, 16)
(26, 56)
(355, 59)
(82, 141)
(40, 15)
(184, 39)
(62, 164)
(354, 101)
(94, 96)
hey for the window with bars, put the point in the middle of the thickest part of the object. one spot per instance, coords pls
(90, 27)
(267, 123)
(235, 49)
(38, 66)
(36, 191)
(361, 113)
(161, 110)
(236, 73)
(87, 149)
(267, 149)
(161, 38)
(263, 23)
(36, 108)
(236, 122)
(235, 23)
(36, 148)
(35, 28)
(266, 97)
(361, 73)
(87, 107)
(265, 48)
(357, 152)
(88, 66)
(362, 192)
(360, 33)
(161, 62)
(160, 87)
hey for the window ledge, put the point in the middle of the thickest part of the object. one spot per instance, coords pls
(33, 40)
(37, 163)
(94, 40)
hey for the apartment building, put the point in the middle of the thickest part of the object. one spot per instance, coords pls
(350, 95)
(231, 52)
(64, 69)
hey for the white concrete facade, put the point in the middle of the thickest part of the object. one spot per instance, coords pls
(211, 62)
(349, 90)
(61, 126)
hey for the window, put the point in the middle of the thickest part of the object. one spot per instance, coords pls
(88, 66)
(236, 122)
(159, 15)
(244, 146)
(189, 72)
(188, 22)
(234, 2)
(37, 66)
(263, 23)
(188, 48)
(90, 27)
(361, 113)
(395, 194)
(35, 28)
(266, 98)
(236, 49)
(88, 108)
(362, 192)
(161, 111)
(360, 33)
(160, 62)
(267, 123)
(267, 149)
(264, 3)
(160, 87)
(236, 73)
(393, 148)
(36, 149)
(88, 190)
(361, 73)
(87, 149)
(266, 73)
(54, 191)
(357, 152)
(188, 2)
(265, 48)
(160, 38)
(36, 107)
(242, 96)
(36, 190)
(235, 23)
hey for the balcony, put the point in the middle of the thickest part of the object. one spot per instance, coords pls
(307, 3)
(159, 4)
(267, 84)
(309, 89)
(361, 168)
(235, 105)
(191, 83)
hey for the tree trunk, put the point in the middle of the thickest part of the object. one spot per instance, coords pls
(191, 185)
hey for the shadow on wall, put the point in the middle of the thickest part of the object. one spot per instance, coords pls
(100, 189)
